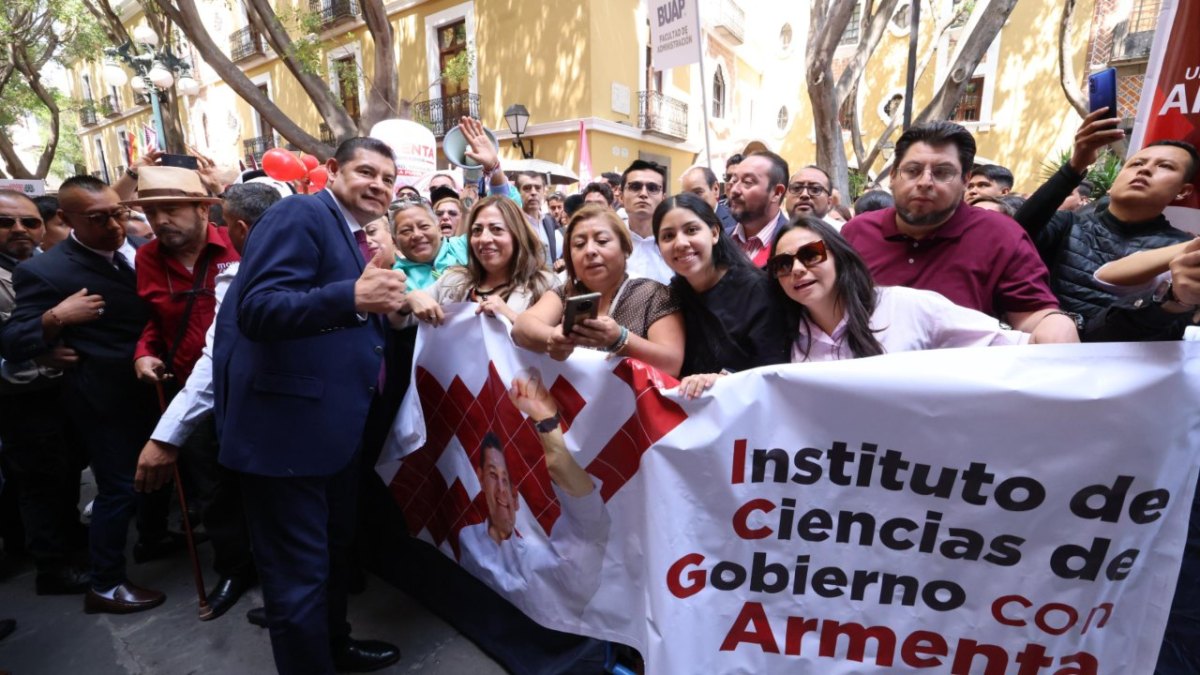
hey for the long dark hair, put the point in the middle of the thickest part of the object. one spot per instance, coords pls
(705, 334)
(853, 285)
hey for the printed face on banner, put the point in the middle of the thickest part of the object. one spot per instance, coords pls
(498, 491)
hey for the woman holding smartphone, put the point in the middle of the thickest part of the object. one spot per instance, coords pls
(504, 271)
(636, 317)
(732, 317)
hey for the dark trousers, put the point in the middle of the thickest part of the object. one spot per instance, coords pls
(220, 496)
(112, 440)
(44, 461)
(301, 530)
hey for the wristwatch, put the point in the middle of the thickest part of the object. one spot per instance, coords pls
(132, 173)
(1077, 318)
(549, 424)
(1165, 293)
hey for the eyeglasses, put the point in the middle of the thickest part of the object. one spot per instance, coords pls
(942, 173)
(812, 189)
(100, 219)
(810, 255)
(638, 186)
(29, 223)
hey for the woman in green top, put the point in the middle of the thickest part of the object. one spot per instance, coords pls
(426, 253)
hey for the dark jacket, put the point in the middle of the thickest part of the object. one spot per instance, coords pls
(1075, 245)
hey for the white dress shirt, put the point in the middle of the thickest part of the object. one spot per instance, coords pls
(909, 319)
(194, 403)
(646, 261)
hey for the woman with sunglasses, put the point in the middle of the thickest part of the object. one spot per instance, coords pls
(834, 310)
(729, 311)
(504, 271)
(449, 212)
(837, 312)
(637, 317)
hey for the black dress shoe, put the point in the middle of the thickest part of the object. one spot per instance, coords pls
(165, 546)
(62, 581)
(225, 595)
(364, 656)
(257, 617)
(122, 599)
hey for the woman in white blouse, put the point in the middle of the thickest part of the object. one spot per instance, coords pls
(839, 313)
(505, 272)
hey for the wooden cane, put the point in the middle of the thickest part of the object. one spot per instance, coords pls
(197, 573)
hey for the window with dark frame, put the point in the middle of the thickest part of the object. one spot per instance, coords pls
(452, 41)
(853, 29)
(970, 105)
(718, 93)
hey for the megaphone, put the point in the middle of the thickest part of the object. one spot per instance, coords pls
(455, 146)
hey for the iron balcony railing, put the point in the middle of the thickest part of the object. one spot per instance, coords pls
(87, 114)
(255, 147)
(442, 114)
(662, 115)
(729, 20)
(244, 43)
(1131, 46)
(110, 106)
(333, 12)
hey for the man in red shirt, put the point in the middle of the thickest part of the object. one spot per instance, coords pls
(932, 239)
(176, 276)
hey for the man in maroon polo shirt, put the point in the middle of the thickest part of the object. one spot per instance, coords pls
(932, 239)
(176, 276)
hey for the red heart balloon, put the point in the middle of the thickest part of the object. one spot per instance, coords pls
(283, 165)
(317, 178)
(310, 162)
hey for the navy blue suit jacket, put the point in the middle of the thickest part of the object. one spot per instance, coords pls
(295, 367)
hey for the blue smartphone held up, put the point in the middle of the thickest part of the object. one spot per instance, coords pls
(1102, 91)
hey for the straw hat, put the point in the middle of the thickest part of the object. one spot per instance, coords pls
(169, 184)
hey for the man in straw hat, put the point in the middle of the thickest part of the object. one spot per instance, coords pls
(77, 308)
(177, 274)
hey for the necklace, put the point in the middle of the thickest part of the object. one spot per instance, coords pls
(481, 294)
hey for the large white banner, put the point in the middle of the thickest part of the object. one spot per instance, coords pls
(674, 33)
(1000, 510)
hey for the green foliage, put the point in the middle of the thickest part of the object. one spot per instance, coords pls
(858, 184)
(1101, 174)
(303, 27)
(459, 67)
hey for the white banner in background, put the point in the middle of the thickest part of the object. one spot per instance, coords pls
(674, 39)
(961, 510)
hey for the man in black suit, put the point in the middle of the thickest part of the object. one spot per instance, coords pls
(77, 308)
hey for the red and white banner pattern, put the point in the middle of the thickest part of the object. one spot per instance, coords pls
(1170, 103)
(971, 511)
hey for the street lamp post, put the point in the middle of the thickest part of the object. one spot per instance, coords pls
(517, 118)
(152, 71)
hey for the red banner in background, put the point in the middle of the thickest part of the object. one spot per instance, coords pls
(1170, 104)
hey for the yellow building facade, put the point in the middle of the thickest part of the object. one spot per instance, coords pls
(573, 61)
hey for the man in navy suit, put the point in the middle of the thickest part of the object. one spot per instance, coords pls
(77, 308)
(298, 363)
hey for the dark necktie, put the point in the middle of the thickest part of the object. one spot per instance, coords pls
(363, 247)
(123, 266)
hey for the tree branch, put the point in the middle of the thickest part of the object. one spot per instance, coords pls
(991, 20)
(867, 42)
(187, 17)
(1066, 73)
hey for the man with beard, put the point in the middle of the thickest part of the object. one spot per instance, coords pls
(756, 192)
(932, 239)
(78, 307)
(177, 276)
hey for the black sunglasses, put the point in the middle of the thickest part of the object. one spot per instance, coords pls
(810, 255)
(29, 223)
(638, 186)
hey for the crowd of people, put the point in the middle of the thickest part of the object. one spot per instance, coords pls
(260, 341)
